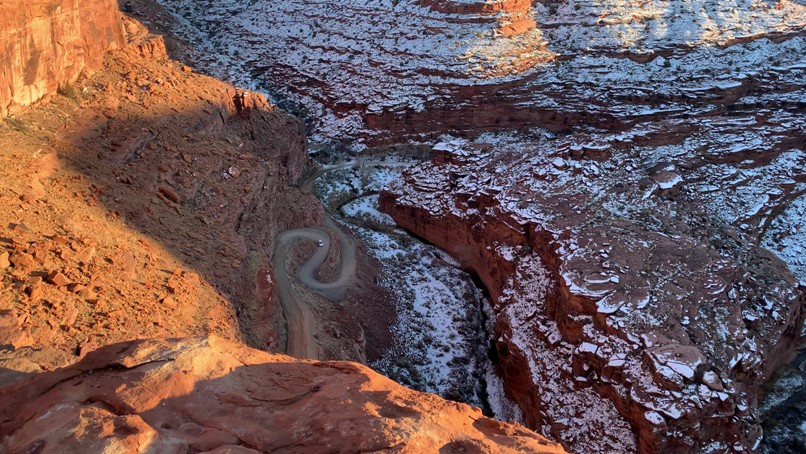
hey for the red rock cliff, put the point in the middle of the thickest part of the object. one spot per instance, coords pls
(610, 322)
(46, 44)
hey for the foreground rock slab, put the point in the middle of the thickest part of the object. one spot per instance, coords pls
(213, 395)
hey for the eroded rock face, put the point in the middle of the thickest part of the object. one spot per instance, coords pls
(212, 395)
(46, 44)
(630, 291)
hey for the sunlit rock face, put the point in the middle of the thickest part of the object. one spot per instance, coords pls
(46, 44)
(634, 307)
(347, 60)
(393, 70)
(213, 395)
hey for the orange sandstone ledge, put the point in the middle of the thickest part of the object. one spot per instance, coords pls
(213, 395)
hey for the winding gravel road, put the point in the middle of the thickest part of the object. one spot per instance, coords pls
(298, 314)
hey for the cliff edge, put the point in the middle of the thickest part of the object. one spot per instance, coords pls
(212, 395)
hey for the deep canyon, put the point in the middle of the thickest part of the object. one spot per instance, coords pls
(586, 218)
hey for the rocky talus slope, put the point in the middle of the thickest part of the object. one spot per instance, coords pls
(216, 396)
(144, 202)
(139, 204)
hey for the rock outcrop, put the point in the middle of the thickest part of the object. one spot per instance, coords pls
(476, 6)
(399, 70)
(46, 44)
(630, 291)
(212, 395)
(516, 15)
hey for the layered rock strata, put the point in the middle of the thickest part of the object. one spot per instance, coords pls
(342, 62)
(46, 44)
(631, 293)
(399, 70)
(215, 396)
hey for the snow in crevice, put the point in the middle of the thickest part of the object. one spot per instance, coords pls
(439, 338)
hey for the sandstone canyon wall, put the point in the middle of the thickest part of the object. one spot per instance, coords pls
(621, 307)
(144, 205)
(46, 44)
(401, 70)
